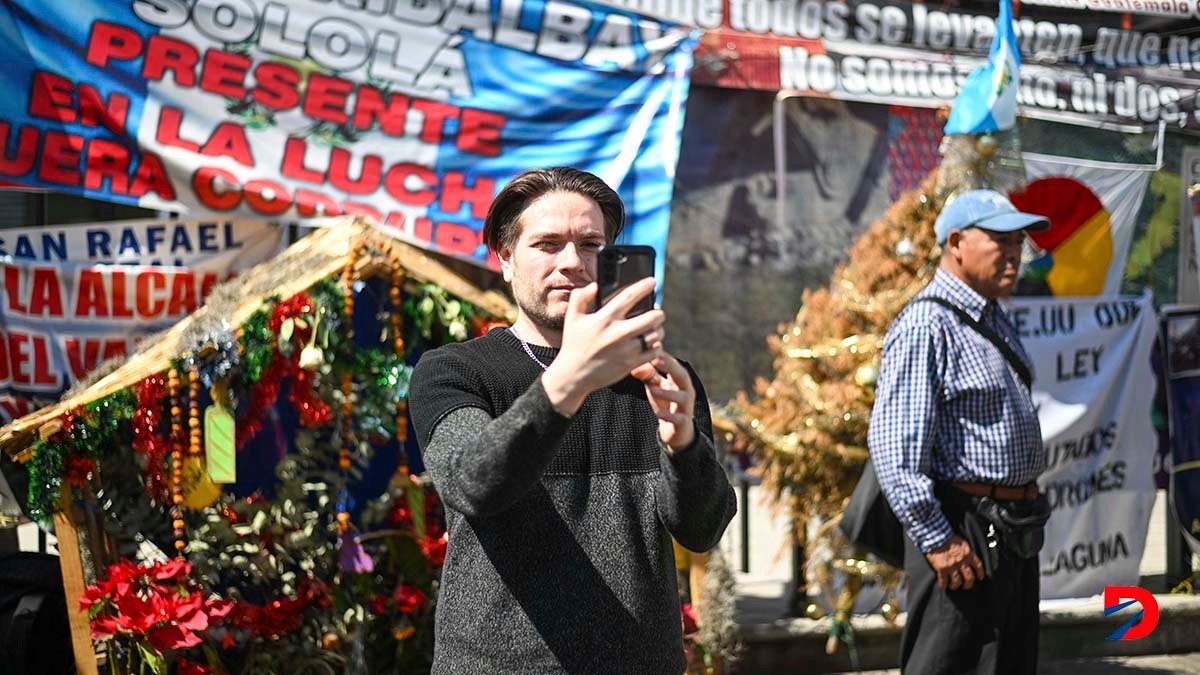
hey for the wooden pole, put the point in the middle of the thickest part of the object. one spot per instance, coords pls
(73, 585)
(697, 578)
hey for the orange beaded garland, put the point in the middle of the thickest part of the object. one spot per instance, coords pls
(195, 445)
(344, 460)
(176, 441)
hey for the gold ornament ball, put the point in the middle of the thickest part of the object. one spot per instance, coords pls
(866, 375)
(986, 145)
(814, 611)
(889, 612)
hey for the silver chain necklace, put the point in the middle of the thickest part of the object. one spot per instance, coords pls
(528, 350)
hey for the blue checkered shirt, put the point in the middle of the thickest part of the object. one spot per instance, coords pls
(949, 407)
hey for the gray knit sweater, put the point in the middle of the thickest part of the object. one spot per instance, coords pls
(560, 557)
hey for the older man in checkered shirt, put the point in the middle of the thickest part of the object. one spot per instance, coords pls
(953, 423)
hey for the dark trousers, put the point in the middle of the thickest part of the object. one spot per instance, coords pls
(991, 629)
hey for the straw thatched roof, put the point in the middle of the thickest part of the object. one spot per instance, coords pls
(317, 256)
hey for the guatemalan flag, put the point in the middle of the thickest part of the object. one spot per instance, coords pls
(988, 98)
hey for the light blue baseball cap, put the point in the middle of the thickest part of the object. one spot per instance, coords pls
(985, 209)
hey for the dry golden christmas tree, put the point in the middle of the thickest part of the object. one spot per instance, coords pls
(807, 427)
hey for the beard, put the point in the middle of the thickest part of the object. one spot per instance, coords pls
(541, 317)
(534, 305)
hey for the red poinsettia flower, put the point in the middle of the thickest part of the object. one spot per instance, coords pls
(189, 668)
(188, 613)
(122, 576)
(409, 599)
(103, 627)
(315, 592)
(93, 595)
(172, 637)
(218, 610)
(133, 613)
(155, 601)
(176, 568)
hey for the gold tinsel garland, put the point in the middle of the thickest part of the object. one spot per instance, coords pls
(807, 428)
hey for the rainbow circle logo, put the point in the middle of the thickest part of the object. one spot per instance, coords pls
(1078, 245)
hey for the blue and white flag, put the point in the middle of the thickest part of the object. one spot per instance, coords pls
(988, 98)
(413, 114)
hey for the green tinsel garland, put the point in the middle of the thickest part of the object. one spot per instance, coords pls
(94, 430)
(383, 380)
(257, 342)
(45, 479)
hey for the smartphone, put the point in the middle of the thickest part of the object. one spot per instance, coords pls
(620, 266)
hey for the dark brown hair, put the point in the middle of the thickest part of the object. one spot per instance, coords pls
(501, 230)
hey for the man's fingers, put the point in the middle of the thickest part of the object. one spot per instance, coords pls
(640, 324)
(647, 373)
(673, 395)
(655, 404)
(629, 296)
(581, 300)
(977, 566)
(671, 366)
(678, 419)
(968, 576)
(955, 579)
(652, 339)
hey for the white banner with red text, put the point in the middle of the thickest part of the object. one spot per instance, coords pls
(75, 296)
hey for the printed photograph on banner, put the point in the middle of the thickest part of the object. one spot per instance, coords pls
(1093, 388)
(409, 115)
(735, 270)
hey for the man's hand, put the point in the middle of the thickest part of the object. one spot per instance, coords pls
(673, 398)
(602, 347)
(955, 564)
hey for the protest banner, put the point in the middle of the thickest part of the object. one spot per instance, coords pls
(412, 114)
(1131, 65)
(1093, 387)
(75, 296)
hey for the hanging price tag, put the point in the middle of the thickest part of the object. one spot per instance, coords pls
(219, 447)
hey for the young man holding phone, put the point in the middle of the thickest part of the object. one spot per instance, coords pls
(568, 450)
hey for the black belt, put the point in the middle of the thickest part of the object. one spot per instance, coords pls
(1023, 493)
